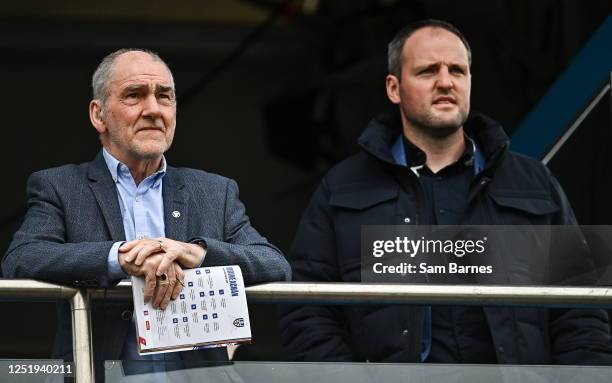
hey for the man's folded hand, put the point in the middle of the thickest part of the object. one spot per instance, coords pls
(160, 288)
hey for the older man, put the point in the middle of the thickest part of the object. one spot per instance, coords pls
(129, 213)
(429, 164)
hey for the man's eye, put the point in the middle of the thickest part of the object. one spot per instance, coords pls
(165, 98)
(131, 95)
(427, 71)
(457, 70)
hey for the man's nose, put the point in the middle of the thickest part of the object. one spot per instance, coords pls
(444, 79)
(151, 106)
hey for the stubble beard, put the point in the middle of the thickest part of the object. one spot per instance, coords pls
(434, 127)
(141, 150)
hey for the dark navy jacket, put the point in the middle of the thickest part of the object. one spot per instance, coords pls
(369, 188)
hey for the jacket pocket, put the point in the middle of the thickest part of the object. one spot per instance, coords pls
(520, 251)
(531, 202)
(361, 197)
(361, 205)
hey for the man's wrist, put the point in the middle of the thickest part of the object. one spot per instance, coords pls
(115, 269)
(202, 248)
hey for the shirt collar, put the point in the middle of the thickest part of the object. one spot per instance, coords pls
(115, 167)
(400, 150)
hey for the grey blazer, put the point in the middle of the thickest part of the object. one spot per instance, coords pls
(73, 218)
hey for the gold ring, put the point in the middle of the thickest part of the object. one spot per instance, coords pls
(161, 245)
(163, 277)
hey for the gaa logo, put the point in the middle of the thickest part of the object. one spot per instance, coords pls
(239, 322)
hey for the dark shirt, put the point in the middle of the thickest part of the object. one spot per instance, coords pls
(459, 334)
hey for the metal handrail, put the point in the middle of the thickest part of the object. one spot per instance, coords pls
(490, 295)
(28, 288)
(363, 293)
(321, 293)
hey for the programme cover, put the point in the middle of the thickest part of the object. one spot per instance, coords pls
(210, 311)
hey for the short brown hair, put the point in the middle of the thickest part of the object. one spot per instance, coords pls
(395, 47)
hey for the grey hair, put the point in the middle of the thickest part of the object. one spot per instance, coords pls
(100, 78)
(396, 46)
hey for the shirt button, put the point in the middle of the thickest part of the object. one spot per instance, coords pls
(140, 237)
(407, 220)
(405, 332)
(138, 199)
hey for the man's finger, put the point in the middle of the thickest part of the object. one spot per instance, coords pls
(167, 296)
(163, 285)
(145, 252)
(171, 284)
(130, 254)
(150, 284)
(160, 292)
(127, 246)
(180, 281)
(165, 265)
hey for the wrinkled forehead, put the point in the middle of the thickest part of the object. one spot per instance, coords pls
(140, 67)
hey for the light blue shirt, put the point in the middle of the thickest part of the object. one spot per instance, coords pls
(142, 207)
(142, 210)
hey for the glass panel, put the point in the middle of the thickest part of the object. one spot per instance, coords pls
(266, 372)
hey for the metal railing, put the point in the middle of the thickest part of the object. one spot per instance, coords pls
(308, 293)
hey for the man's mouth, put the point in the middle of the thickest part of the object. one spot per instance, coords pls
(150, 128)
(444, 100)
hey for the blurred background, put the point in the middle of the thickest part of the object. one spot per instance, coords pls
(272, 93)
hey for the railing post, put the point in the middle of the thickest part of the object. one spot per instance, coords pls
(81, 337)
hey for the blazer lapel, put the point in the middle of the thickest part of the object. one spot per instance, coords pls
(105, 192)
(175, 205)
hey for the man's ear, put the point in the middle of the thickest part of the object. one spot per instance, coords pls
(392, 84)
(96, 116)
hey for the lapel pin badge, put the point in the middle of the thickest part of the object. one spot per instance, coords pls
(176, 214)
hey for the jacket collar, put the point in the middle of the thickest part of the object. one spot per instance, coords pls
(173, 194)
(382, 132)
